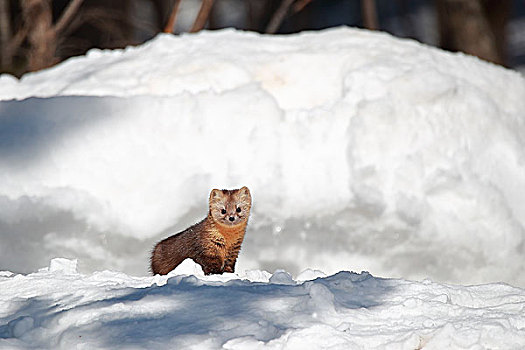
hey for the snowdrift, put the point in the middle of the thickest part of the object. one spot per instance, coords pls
(57, 308)
(362, 152)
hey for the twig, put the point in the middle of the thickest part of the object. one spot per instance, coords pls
(67, 15)
(278, 17)
(202, 17)
(369, 12)
(173, 18)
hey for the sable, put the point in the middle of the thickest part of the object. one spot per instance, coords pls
(215, 242)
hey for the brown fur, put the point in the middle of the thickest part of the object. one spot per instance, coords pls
(215, 242)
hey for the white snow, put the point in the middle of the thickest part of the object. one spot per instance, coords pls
(57, 308)
(362, 152)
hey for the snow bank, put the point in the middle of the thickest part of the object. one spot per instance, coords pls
(57, 308)
(362, 152)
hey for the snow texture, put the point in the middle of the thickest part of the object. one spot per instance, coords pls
(362, 152)
(57, 308)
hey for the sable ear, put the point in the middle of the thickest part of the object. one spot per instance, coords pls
(245, 192)
(215, 193)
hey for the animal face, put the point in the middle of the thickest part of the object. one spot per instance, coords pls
(230, 207)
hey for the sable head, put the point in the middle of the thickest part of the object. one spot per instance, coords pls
(230, 207)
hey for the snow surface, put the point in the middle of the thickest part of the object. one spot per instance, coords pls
(57, 308)
(362, 152)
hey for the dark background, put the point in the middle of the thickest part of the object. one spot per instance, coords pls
(36, 34)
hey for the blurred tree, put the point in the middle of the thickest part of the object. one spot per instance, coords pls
(476, 27)
(368, 8)
(168, 28)
(260, 14)
(202, 16)
(6, 58)
(278, 16)
(42, 33)
(39, 33)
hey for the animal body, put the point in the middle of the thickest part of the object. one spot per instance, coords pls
(215, 242)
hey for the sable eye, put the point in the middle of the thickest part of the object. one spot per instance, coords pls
(238, 210)
(223, 211)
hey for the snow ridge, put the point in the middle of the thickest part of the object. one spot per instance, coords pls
(59, 308)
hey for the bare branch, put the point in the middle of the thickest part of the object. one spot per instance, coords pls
(368, 8)
(300, 5)
(278, 17)
(203, 15)
(173, 18)
(16, 41)
(67, 15)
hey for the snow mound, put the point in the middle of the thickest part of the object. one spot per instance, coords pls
(362, 152)
(57, 309)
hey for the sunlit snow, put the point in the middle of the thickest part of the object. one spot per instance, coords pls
(363, 152)
(56, 308)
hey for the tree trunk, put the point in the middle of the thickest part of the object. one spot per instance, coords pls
(369, 13)
(202, 16)
(464, 26)
(498, 13)
(6, 57)
(278, 17)
(42, 39)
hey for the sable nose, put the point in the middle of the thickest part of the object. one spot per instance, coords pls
(231, 218)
